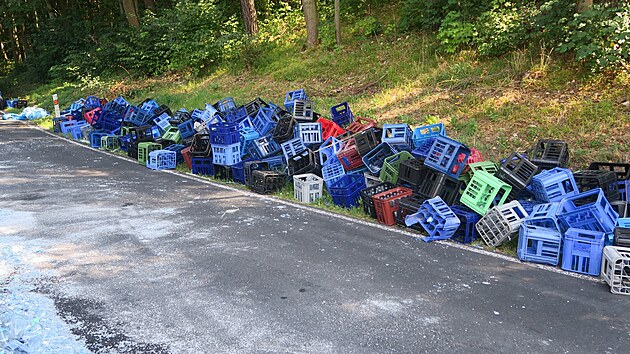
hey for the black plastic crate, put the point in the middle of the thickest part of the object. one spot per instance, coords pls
(622, 237)
(517, 171)
(409, 205)
(132, 151)
(253, 107)
(591, 179)
(434, 183)
(200, 145)
(548, 154)
(411, 173)
(304, 162)
(222, 172)
(284, 129)
(621, 169)
(621, 207)
(266, 182)
(366, 197)
(366, 141)
(180, 117)
(141, 134)
(161, 110)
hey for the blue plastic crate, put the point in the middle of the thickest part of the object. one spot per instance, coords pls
(163, 121)
(553, 185)
(149, 105)
(109, 122)
(624, 189)
(156, 133)
(544, 215)
(116, 106)
(448, 156)
(328, 149)
(582, 251)
(466, 233)
(226, 155)
(422, 151)
(263, 147)
(332, 170)
(76, 131)
(247, 136)
(226, 104)
(346, 191)
(92, 102)
(431, 131)
(528, 205)
(292, 147)
(66, 126)
(539, 245)
(187, 129)
(341, 114)
(137, 116)
(162, 160)
(436, 218)
(310, 133)
(398, 135)
(238, 171)
(236, 114)
(202, 166)
(177, 148)
(291, 96)
(263, 122)
(624, 223)
(124, 143)
(375, 158)
(589, 210)
(275, 163)
(95, 138)
(224, 133)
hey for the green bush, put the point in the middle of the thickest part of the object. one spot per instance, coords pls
(456, 33)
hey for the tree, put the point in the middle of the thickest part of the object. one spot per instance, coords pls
(584, 5)
(249, 16)
(149, 5)
(311, 18)
(130, 12)
(338, 22)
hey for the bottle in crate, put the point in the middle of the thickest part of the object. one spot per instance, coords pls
(291, 96)
(484, 191)
(589, 211)
(616, 269)
(501, 223)
(553, 185)
(398, 135)
(303, 111)
(366, 141)
(445, 156)
(606, 180)
(367, 194)
(310, 133)
(386, 204)
(407, 206)
(582, 251)
(539, 245)
(162, 160)
(466, 232)
(345, 191)
(548, 154)
(391, 166)
(307, 188)
(360, 125)
(622, 170)
(517, 171)
(284, 130)
(426, 132)
(341, 114)
(266, 182)
(436, 218)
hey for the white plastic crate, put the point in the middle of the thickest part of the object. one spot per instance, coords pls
(308, 187)
(501, 223)
(616, 269)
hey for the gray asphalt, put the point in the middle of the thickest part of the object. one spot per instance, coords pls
(143, 261)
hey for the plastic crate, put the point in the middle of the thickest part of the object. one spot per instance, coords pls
(266, 182)
(238, 172)
(109, 122)
(624, 190)
(224, 134)
(591, 179)
(425, 132)
(86, 130)
(622, 208)
(226, 155)
(137, 116)
(445, 156)
(202, 166)
(484, 191)
(548, 154)
(436, 218)
(141, 134)
(163, 121)
(367, 194)
(263, 122)
(109, 142)
(553, 185)
(517, 171)
(391, 165)
(225, 104)
(235, 115)
(263, 147)
(156, 133)
(328, 149)
(77, 132)
(345, 191)
(376, 157)
(361, 124)
(582, 251)
(304, 162)
(437, 184)
(162, 160)
(308, 187)
(144, 149)
(616, 269)
(292, 148)
(187, 156)
(95, 138)
(303, 111)
(349, 155)
(92, 116)
(386, 204)
(366, 141)
(589, 211)
(544, 215)
(423, 149)
(501, 223)
(65, 127)
(248, 135)
(332, 170)
(411, 173)
(251, 108)
(341, 114)
(200, 146)
(370, 179)
(187, 129)
(622, 170)
(173, 135)
(284, 130)
(291, 96)
(398, 135)
(466, 232)
(222, 172)
(310, 133)
(329, 128)
(622, 235)
(539, 245)
(407, 206)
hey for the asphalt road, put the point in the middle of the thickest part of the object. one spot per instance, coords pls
(148, 262)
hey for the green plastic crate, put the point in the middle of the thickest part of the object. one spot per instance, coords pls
(144, 149)
(485, 191)
(391, 166)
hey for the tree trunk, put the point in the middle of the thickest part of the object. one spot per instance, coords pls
(312, 21)
(249, 16)
(584, 5)
(130, 11)
(149, 5)
(338, 22)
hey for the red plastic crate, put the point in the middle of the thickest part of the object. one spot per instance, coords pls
(475, 156)
(361, 124)
(386, 204)
(349, 155)
(330, 128)
(90, 115)
(187, 157)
